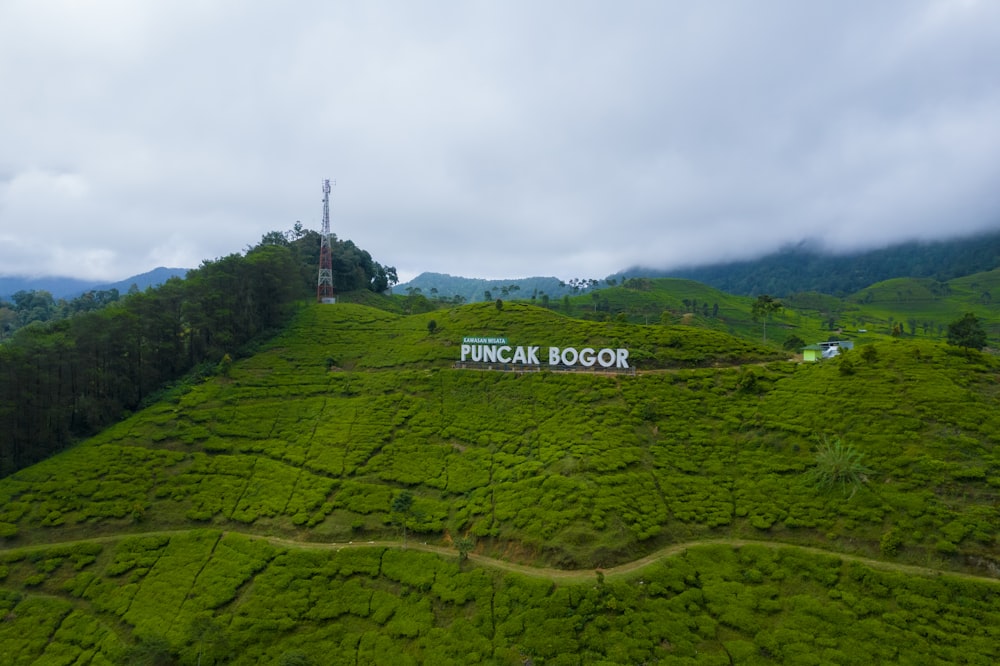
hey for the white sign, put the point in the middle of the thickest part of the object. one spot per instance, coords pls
(587, 357)
(471, 340)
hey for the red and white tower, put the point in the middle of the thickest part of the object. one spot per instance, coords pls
(324, 286)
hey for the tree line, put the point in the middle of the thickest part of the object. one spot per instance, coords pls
(29, 306)
(73, 375)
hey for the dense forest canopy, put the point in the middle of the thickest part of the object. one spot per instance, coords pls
(353, 267)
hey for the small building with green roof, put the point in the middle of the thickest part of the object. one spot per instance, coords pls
(812, 353)
(828, 349)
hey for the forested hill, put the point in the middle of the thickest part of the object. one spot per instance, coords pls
(69, 372)
(799, 269)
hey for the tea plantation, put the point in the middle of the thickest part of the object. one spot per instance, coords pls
(721, 505)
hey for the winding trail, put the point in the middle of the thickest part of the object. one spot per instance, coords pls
(629, 568)
(558, 575)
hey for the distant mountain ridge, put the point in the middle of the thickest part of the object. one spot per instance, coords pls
(800, 269)
(789, 271)
(152, 278)
(63, 287)
(59, 287)
(472, 290)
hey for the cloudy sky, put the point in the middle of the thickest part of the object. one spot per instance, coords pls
(492, 139)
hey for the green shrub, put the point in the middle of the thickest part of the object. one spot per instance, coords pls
(35, 580)
(890, 542)
(869, 354)
(839, 465)
(945, 546)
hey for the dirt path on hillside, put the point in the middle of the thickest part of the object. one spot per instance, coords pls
(559, 575)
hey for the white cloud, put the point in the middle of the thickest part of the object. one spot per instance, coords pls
(493, 140)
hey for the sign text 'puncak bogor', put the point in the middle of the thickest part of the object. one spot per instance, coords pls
(496, 350)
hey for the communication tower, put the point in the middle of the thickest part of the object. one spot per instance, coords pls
(324, 286)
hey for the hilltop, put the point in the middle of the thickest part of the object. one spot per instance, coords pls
(804, 268)
(257, 515)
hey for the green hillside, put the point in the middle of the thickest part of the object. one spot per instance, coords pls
(922, 308)
(678, 514)
(925, 307)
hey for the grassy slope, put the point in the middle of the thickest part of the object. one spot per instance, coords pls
(930, 305)
(565, 469)
(923, 307)
(212, 597)
(650, 301)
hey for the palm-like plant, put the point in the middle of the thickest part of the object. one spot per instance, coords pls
(839, 465)
(763, 308)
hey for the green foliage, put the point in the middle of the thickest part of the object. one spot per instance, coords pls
(576, 469)
(967, 332)
(793, 343)
(869, 354)
(839, 465)
(402, 507)
(340, 606)
(125, 351)
(402, 503)
(709, 440)
(225, 366)
(845, 364)
(890, 542)
(150, 651)
(295, 658)
(763, 308)
(464, 545)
